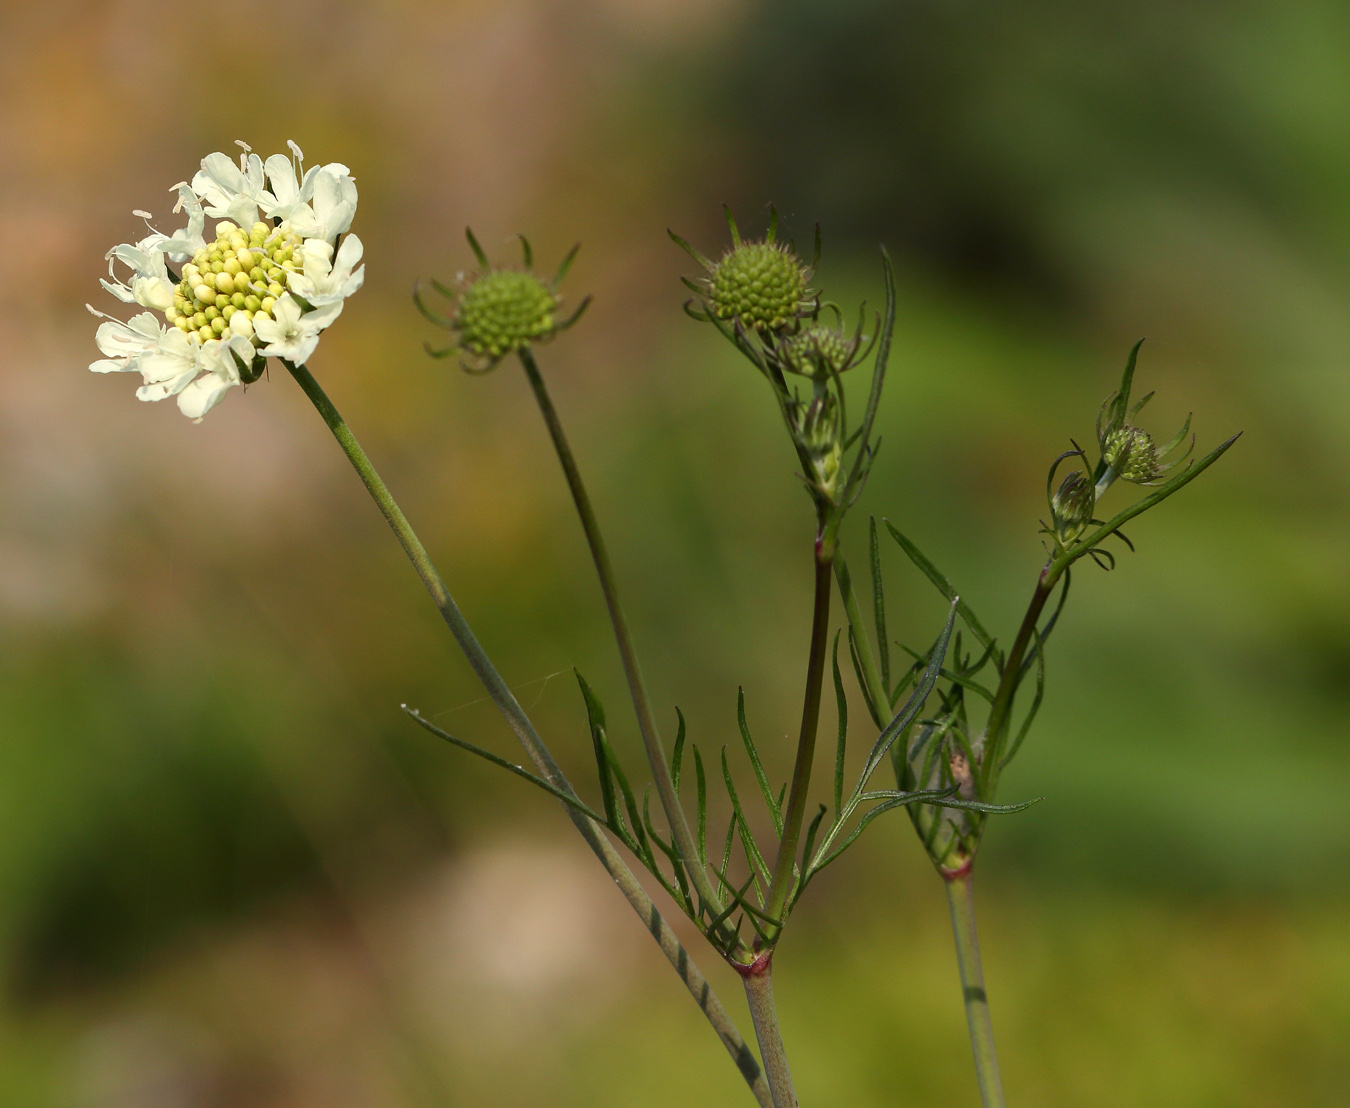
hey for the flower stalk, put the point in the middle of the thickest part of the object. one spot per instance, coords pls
(534, 745)
(604, 568)
(961, 899)
(780, 884)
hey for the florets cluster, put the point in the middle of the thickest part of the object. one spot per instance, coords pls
(499, 310)
(760, 284)
(502, 311)
(1072, 506)
(256, 290)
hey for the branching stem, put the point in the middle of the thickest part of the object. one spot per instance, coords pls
(534, 746)
(758, 978)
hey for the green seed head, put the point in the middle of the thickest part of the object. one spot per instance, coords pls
(761, 284)
(502, 311)
(817, 351)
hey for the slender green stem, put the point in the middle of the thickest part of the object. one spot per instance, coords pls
(780, 884)
(999, 711)
(651, 738)
(877, 692)
(961, 897)
(758, 978)
(534, 746)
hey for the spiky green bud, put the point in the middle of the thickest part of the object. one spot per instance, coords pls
(503, 311)
(1072, 506)
(1131, 453)
(761, 284)
(817, 351)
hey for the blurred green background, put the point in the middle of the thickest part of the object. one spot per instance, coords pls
(233, 874)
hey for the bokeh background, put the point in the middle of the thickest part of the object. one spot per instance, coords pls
(233, 874)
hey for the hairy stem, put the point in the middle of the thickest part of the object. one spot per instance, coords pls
(758, 978)
(651, 738)
(781, 882)
(961, 897)
(534, 746)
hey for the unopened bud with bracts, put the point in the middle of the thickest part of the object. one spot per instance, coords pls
(1072, 506)
(818, 433)
(821, 351)
(1128, 452)
(499, 311)
(759, 285)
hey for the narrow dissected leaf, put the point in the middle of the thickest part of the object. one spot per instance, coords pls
(967, 683)
(900, 800)
(726, 849)
(841, 746)
(873, 709)
(808, 846)
(702, 784)
(915, 701)
(737, 900)
(752, 854)
(595, 718)
(879, 606)
(909, 678)
(935, 575)
(628, 800)
(570, 799)
(860, 462)
(1035, 703)
(677, 755)
(681, 894)
(760, 775)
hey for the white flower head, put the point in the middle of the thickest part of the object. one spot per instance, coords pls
(254, 290)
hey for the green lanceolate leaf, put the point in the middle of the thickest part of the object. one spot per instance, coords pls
(943, 586)
(595, 717)
(677, 755)
(752, 854)
(774, 810)
(1035, 703)
(841, 746)
(860, 461)
(855, 656)
(702, 784)
(906, 715)
(879, 605)
(534, 779)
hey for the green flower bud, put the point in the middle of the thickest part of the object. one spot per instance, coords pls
(503, 311)
(761, 284)
(817, 351)
(1072, 506)
(1131, 453)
